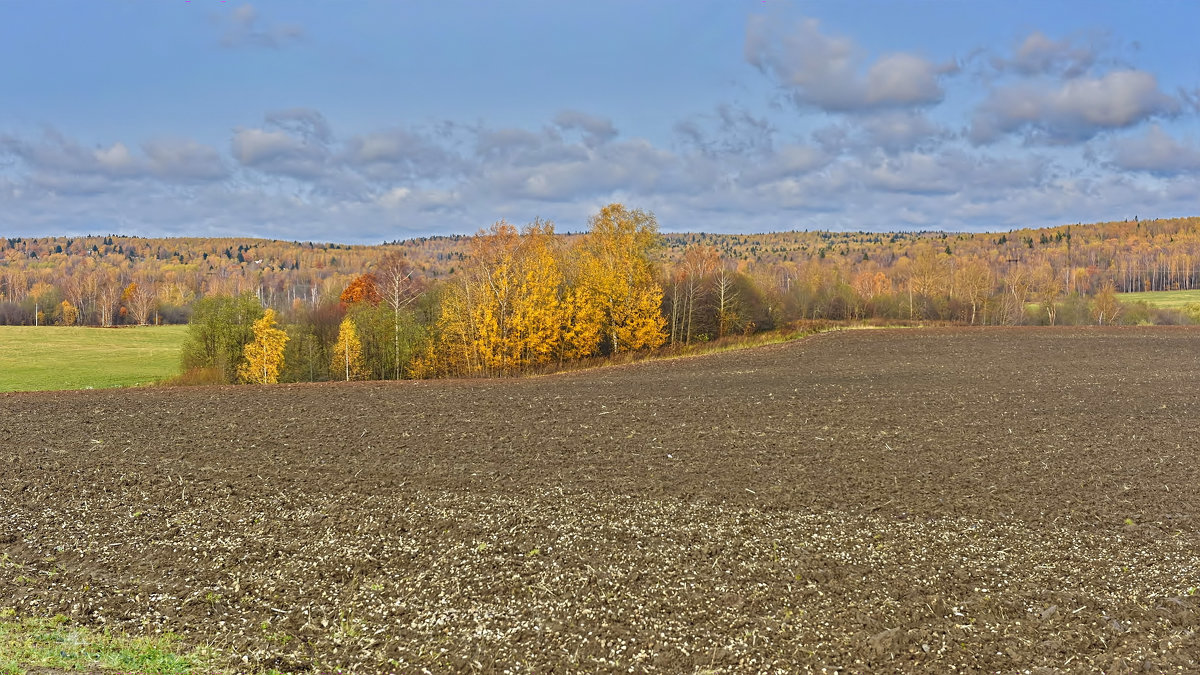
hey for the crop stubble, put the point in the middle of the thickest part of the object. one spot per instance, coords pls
(1000, 499)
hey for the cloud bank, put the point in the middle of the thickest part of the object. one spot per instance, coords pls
(1045, 130)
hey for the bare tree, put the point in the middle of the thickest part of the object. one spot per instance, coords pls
(399, 288)
(1105, 306)
(108, 295)
(974, 282)
(696, 268)
(81, 288)
(141, 302)
(1046, 288)
(727, 301)
(1017, 285)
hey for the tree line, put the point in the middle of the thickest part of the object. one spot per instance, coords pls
(112, 280)
(524, 298)
(511, 299)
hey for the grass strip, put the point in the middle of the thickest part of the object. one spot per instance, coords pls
(40, 645)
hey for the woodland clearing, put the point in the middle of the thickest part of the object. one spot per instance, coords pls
(34, 358)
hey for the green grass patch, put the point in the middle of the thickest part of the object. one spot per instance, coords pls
(1163, 299)
(37, 645)
(58, 357)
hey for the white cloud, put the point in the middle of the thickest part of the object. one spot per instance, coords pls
(394, 197)
(184, 159)
(727, 170)
(1038, 54)
(401, 154)
(788, 161)
(244, 27)
(1072, 111)
(596, 130)
(1155, 151)
(729, 131)
(61, 162)
(892, 131)
(903, 79)
(827, 72)
(305, 123)
(115, 158)
(279, 152)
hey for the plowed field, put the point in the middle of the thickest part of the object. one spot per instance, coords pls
(1020, 500)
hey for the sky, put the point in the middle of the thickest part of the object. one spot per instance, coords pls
(361, 121)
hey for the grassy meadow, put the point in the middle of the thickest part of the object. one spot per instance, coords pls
(1163, 299)
(34, 645)
(57, 357)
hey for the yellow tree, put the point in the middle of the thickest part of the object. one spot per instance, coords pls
(1106, 309)
(263, 357)
(504, 312)
(476, 320)
(616, 274)
(68, 314)
(347, 353)
(537, 316)
(583, 324)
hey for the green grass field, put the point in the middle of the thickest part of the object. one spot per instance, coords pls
(1164, 299)
(56, 357)
(35, 645)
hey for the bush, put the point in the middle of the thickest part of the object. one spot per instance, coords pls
(197, 376)
(1192, 312)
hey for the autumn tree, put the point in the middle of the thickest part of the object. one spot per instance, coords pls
(399, 288)
(616, 274)
(974, 283)
(692, 277)
(1047, 286)
(727, 301)
(220, 328)
(538, 311)
(506, 311)
(263, 357)
(80, 289)
(347, 353)
(108, 296)
(1017, 285)
(309, 352)
(364, 288)
(1106, 309)
(67, 314)
(141, 301)
(476, 314)
(928, 280)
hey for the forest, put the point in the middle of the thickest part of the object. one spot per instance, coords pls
(512, 299)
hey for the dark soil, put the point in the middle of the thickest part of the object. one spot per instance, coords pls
(1020, 500)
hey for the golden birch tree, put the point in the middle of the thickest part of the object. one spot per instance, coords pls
(616, 274)
(263, 357)
(347, 359)
(538, 309)
(68, 314)
(504, 312)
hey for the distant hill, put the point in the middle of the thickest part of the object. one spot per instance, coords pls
(1148, 255)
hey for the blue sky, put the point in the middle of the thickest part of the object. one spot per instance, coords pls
(363, 121)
